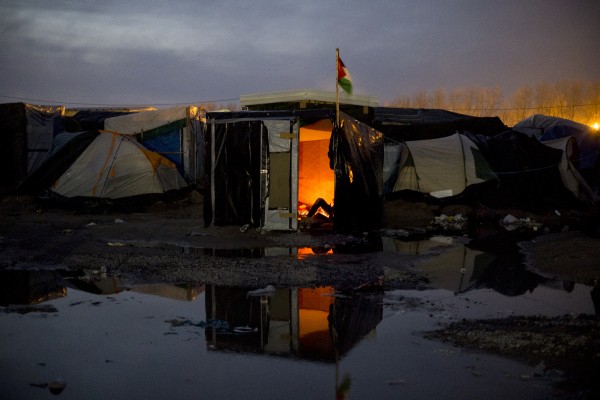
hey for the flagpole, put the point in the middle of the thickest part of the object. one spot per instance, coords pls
(337, 88)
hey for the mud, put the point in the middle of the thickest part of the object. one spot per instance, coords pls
(168, 242)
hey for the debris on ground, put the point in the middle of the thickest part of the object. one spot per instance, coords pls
(568, 344)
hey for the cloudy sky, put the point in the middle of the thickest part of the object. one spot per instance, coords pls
(153, 52)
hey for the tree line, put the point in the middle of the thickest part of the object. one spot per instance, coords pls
(575, 100)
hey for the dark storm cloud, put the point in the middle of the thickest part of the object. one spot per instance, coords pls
(136, 52)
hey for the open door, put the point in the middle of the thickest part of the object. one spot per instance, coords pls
(299, 171)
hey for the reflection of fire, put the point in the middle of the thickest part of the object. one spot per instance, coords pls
(309, 251)
(313, 310)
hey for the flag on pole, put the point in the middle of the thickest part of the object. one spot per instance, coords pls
(343, 76)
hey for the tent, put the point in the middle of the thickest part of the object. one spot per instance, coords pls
(546, 128)
(570, 175)
(440, 167)
(103, 164)
(532, 174)
(176, 133)
(537, 124)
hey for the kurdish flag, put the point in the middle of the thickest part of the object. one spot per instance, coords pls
(343, 76)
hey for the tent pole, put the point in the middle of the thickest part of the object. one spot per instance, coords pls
(337, 89)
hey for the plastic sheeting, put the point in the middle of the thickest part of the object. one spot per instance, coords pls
(237, 156)
(571, 177)
(529, 173)
(42, 125)
(26, 133)
(356, 154)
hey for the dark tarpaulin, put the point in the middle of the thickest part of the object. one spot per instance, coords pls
(588, 147)
(26, 133)
(13, 145)
(356, 154)
(166, 140)
(405, 124)
(238, 155)
(528, 172)
(57, 163)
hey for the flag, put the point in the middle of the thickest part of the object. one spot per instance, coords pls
(343, 76)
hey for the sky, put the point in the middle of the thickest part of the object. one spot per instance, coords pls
(125, 53)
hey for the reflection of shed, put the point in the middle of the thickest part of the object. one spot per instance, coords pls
(297, 322)
(30, 287)
(182, 292)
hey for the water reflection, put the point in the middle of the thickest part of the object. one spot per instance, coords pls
(454, 265)
(183, 292)
(30, 287)
(310, 323)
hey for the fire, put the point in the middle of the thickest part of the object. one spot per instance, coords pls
(315, 177)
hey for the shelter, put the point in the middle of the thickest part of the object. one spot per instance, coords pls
(440, 167)
(176, 133)
(570, 175)
(309, 323)
(547, 128)
(533, 175)
(537, 124)
(26, 133)
(103, 164)
(262, 165)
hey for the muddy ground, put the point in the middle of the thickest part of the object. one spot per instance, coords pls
(167, 241)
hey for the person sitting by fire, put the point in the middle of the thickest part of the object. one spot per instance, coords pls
(326, 209)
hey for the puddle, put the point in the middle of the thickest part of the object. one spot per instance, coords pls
(106, 338)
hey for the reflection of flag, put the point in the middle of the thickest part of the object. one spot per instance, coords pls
(343, 77)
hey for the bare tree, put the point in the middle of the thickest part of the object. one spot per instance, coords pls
(568, 99)
(522, 102)
(438, 99)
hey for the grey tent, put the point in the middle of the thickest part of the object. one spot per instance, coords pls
(440, 167)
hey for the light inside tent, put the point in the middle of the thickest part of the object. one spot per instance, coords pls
(315, 178)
